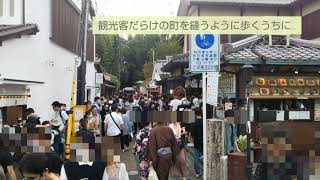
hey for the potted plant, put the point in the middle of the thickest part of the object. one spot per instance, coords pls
(242, 143)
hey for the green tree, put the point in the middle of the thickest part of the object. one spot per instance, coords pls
(166, 48)
(134, 56)
(147, 70)
(106, 51)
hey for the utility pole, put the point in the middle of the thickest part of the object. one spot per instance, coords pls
(153, 57)
(119, 57)
(83, 47)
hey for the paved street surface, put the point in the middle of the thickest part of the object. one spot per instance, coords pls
(131, 165)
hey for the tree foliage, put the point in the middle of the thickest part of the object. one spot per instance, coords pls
(147, 70)
(106, 49)
(134, 55)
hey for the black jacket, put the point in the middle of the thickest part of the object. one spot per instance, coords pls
(197, 134)
(87, 137)
(76, 172)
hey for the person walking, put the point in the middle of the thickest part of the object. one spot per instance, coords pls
(94, 122)
(114, 123)
(87, 136)
(140, 150)
(86, 167)
(40, 166)
(59, 120)
(126, 131)
(103, 114)
(162, 149)
(7, 161)
(96, 103)
(32, 117)
(180, 167)
(59, 116)
(197, 136)
(88, 105)
(175, 103)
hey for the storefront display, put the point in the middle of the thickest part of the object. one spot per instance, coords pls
(290, 87)
(280, 98)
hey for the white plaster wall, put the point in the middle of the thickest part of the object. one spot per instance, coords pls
(91, 81)
(27, 59)
(6, 18)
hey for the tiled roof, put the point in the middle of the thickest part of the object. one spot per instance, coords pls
(306, 52)
(16, 31)
(179, 60)
(157, 72)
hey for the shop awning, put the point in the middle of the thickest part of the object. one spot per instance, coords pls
(16, 31)
(284, 97)
(13, 100)
(110, 86)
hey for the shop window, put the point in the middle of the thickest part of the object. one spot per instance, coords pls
(285, 109)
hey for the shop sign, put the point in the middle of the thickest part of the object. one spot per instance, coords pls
(227, 83)
(299, 115)
(99, 78)
(6, 101)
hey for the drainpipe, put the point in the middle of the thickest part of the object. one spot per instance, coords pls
(270, 40)
(23, 11)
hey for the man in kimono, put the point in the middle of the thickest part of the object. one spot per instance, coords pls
(162, 149)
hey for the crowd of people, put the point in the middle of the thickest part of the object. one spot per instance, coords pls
(157, 146)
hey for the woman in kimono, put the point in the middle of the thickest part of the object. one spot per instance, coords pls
(140, 148)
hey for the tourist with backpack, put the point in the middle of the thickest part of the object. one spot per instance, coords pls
(60, 119)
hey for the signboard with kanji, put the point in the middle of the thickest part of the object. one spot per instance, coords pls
(212, 88)
(204, 53)
(99, 78)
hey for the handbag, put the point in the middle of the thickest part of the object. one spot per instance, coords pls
(182, 143)
(152, 174)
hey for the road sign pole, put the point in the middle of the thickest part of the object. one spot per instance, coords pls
(204, 57)
(204, 109)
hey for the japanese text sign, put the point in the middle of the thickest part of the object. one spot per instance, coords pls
(204, 53)
(280, 25)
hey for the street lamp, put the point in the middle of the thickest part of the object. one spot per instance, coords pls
(248, 70)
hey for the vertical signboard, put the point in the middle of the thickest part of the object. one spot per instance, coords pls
(99, 78)
(212, 88)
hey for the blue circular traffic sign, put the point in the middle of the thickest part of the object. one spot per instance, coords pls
(204, 41)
